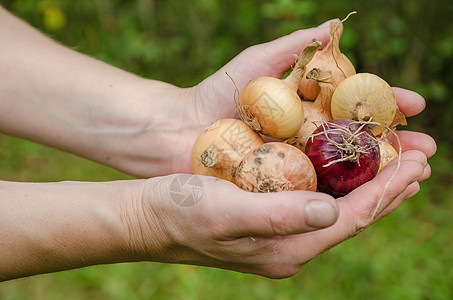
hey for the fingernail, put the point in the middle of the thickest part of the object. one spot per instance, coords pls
(411, 195)
(320, 214)
(326, 24)
(422, 171)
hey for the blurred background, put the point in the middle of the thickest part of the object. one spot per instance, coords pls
(408, 255)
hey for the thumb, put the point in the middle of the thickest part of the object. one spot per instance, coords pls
(298, 39)
(326, 24)
(292, 44)
(282, 213)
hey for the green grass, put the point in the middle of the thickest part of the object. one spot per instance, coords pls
(407, 255)
(22, 160)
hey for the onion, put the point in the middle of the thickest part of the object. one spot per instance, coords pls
(388, 153)
(329, 59)
(274, 167)
(317, 111)
(365, 97)
(220, 148)
(345, 155)
(271, 105)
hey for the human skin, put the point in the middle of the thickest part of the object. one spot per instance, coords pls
(58, 97)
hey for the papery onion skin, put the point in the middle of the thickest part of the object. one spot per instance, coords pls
(315, 112)
(272, 106)
(388, 153)
(275, 107)
(221, 146)
(342, 177)
(275, 167)
(365, 97)
(330, 59)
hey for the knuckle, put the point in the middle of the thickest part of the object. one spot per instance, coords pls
(358, 220)
(279, 221)
(364, 217)
(393, 191)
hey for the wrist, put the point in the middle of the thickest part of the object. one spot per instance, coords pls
(147, 136)
(141, 208)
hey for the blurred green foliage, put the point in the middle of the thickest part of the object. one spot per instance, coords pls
(408, 43)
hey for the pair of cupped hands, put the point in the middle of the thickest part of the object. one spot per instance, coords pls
(271, 234)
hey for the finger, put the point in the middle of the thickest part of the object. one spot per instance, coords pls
(282, 52)
(273, 59)
(294, 42)
(417, 156)
(358, 207)
(412, 167)
(410, 103)
(411, 140)
(280, 214)
(426, 173)
(410, 191)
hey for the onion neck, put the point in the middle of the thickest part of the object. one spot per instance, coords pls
(334, 44)
(326, 84)
(294, 78)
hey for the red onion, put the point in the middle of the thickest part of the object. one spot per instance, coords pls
(345, 155)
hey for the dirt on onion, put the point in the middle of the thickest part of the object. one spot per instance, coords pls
(274, 167)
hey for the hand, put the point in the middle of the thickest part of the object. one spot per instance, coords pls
(274, 234)
(213, 98)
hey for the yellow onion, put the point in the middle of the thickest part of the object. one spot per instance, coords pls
(366, 97)
(388, 153)
(315, 112)
(274, 167)
(220, 148)
(330, 59)
(271, 105)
